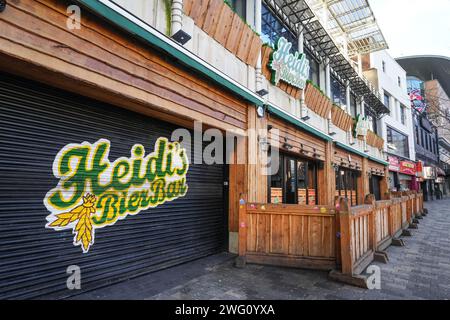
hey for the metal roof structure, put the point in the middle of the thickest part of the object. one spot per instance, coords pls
(298, 16)
(427, 68)
(352, 21)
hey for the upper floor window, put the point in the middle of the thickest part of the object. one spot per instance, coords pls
(384, 66)
(240, 7)
(272, 29)
(387, 100)
(397, 143)
(338, 91)
(403, 114)
(314, 69)
(399, 81)
(353, 106)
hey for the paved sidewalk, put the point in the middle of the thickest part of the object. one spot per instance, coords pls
(421, 270)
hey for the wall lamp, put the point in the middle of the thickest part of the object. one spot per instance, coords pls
(180, 36)
(306, 118)
(262, 92)
(286, 145)
(2, 5)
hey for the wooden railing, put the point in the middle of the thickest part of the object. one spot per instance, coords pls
(288, 235)
(371, 228)
(324, 237)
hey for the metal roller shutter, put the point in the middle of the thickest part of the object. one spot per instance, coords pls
(35, 123)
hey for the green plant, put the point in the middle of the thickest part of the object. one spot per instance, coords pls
(168, 12)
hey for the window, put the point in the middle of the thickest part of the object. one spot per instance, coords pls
(338, 91)
(272, 29)
(422, 141)
(295, 182)
(387, 101)
(240, 7)
(417, 135)
(347, 185)
(403, 114)
(314, 69)
(353, 107)
(397, 143)
(384, 66)
(399, 81)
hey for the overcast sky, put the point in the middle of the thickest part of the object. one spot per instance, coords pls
(414, 27)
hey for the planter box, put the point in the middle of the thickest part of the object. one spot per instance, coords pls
(255, 49)
(234, 36)
(187, 6)
(212, 16)
(198, 12)
(244, 44)
(224, 25)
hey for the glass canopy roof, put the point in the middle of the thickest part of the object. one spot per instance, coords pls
(350, 21)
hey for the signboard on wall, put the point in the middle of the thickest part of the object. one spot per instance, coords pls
(408, 167)
(394, 164)
(292, 68)
(429, 173)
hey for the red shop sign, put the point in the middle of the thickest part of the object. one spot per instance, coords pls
(408, 167)
(394, 164)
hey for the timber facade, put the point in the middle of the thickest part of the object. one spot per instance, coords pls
(95, 102)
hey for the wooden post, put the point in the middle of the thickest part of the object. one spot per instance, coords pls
(242, 246)
(346, 236)
(327, 177)
(242, 228)
(384, 185)
(370, 200)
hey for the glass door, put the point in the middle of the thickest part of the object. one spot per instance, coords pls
(290, 180)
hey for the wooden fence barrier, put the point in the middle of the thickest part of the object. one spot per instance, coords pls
(288, 235)
(325, 237)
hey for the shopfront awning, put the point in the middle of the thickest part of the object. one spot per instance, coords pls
(298, 16)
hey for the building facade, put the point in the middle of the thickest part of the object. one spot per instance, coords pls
(113, 112)
(429, 87)
(396, 128)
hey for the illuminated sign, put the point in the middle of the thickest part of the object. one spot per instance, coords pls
(291, 68)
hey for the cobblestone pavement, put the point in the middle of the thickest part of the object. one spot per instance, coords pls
(420, 270)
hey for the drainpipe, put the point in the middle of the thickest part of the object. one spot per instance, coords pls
(258, 28)
(328, 92)
(347, 103)
(177, 16)
(301, 49)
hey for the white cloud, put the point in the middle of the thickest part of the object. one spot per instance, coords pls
(414, 27)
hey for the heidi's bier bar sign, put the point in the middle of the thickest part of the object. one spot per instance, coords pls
(291, 68)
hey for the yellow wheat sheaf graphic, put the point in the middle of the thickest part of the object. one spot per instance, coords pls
(82, 214)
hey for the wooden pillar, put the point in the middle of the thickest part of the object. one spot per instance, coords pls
(257, 180)
(326, 179)
(363, 182)
(346, 243)
(370, 200)
(384, 185)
